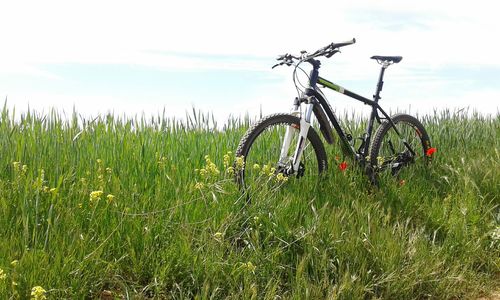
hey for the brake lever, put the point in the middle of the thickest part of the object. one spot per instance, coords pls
(278, 64)
(287, 62)
(331, 53)
(286, 59)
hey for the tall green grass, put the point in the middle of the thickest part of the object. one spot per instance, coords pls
(169, 232)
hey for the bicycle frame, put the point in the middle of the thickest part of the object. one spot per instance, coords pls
(312, 96)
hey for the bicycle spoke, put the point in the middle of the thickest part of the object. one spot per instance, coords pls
(396, 151)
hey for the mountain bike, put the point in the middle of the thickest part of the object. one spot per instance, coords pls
(287, 144)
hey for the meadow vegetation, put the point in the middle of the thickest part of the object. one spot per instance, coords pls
(148, 208)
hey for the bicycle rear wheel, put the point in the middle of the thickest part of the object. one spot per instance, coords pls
(261, 147)
(392, 154)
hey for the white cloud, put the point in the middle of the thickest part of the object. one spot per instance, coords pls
(427, 33)
(118, 31)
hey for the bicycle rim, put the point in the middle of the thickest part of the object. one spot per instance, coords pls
(263, 168)
(394, 156)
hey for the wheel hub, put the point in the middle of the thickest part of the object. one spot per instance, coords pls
(403, 159)
(288, 171)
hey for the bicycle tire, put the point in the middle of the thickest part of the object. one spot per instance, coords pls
(380, 153)
(249, 145)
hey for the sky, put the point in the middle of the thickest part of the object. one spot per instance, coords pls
(144, 57)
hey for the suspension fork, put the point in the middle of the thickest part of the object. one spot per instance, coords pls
(283, 160)
(305, 121)
(305, 124)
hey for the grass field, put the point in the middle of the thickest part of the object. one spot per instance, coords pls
(113, 207)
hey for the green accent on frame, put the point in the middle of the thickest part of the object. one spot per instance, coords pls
(329, 84)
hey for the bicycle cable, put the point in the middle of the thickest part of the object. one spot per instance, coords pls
(297, 82)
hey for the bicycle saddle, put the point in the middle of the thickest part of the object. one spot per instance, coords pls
(390, 59)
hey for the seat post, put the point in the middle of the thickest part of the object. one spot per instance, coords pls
(380, 83)
(374, 114)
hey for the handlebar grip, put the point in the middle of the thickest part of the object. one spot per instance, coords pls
(346, 43)
(349, 42)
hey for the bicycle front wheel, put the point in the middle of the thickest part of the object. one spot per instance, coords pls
(265, 162)
(392, 153)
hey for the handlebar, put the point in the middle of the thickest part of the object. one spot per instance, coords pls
(328, 51)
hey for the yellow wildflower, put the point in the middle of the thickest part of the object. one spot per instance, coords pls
(380, 160)
(265, 169)
(199, 185)
(240, 162)
(281, 178)
(25, 168)
(3, 276)
(110, 198)
(95, 196)
(227, 159)
(40, 179)
(38, 293)
(161, 162)
(99, 161)
(16, 165)
(109, 170)
(251, 267)
(256, 167)
(213, 169)
(218, 235)
(210, 168)
(230, 170)
(14, 262)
